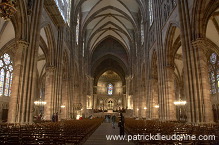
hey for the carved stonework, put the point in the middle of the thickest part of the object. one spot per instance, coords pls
(200, 44)
(153, 77)
(22, 44)
(50, 68)
(29, 6)
(179, 57)
(77, 106)
(170, 67)
(167, 7)
(206, 45)
(152, 35)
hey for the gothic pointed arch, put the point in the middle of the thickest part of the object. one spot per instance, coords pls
(49, 41)
(171, 42)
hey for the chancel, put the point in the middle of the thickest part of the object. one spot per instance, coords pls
(78, 71)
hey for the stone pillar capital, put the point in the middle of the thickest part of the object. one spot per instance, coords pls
(153, 77)
(130, 77)
(50, 68)
(22, 43)
(198, 42)
(169, 66)
(205, 45)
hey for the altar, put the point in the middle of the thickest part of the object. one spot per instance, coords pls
(110, 111)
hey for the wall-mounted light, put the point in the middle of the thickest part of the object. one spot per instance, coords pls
(145, 108)
(156, 106)
(63, 106)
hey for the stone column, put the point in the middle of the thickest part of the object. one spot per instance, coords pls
(69, 97)
(84, 89)
(170, 94)
(30, 101)
(95, 97)
(91, 92)
(71, 102)
(127, 88)
(64, 101)
(149, 98)
(76, 93)
(24, 68)
(154, 98)
(142, 100)
(124, 102)
(195, 66)
(135, 107)
(49, 92)
(204, 102)
(135, 99)
(14, 102)
(139, 102)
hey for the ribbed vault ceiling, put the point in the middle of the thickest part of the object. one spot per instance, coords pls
(109, 28)
(103, 18)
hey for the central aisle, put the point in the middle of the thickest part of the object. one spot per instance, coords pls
(99, 136)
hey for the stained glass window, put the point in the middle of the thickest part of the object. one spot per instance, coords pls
(5, 74)
(64, 7)
(69, 12)
(213, 58)
(151, 13)
(77, 28)
(7, 83)
(10, 84)
(1, 63)
(110, 89)
(6, 58)
(213, 71)
(2, 78)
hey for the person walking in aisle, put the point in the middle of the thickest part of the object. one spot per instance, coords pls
(53, 117)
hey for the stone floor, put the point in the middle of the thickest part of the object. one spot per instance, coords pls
(99, 136)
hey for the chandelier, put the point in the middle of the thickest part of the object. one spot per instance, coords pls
(7, 9)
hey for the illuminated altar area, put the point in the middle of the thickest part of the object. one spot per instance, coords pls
(110, 93)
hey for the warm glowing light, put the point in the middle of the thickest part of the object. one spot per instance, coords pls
(145, 108)
(180, 102)
(63, 106)
(78, 116)
(156, 106)
(40, 103)
(137, 109)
